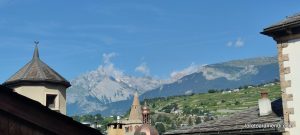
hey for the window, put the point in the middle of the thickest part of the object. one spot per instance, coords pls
(51, 101)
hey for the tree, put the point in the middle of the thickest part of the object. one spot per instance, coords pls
(163, 118)
(76, 118)
(198, 120)
(173, 126)
(178, 122)
(212, 91)
(236, 102)
(190, 121)
(223, 101)
(153, 105)
(160, 128)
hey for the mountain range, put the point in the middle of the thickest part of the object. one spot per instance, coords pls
(110, 92)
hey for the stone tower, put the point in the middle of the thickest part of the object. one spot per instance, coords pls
(135, 117)
(287, 36)
(146, 114)
(146, 128)
(37, 81)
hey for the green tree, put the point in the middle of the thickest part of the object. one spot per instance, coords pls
(223, 101)
(163, 118)
(76, 118)
(178, 122)
(190, 121)
(160, 128)
(236, 103)
(198, 120)
(173, 126)
(153, 105)
(212, 91)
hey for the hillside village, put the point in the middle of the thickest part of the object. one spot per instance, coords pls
(187, 110)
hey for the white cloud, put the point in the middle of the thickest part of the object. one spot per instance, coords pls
(107, 57)
(143, 68)
(175, 75)
(213, 73)
(229, 44)
(239, 42)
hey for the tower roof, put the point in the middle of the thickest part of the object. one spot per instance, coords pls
(135, 112)
(36, 72)
(136, 99)
(283, 30)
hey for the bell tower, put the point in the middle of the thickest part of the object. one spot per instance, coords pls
(146, 114)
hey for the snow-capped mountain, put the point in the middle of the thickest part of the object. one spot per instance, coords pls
(226, 75)
(94, 90)
(109, 91)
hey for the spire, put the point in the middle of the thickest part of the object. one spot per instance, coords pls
(135, 112)
(36, 50)
(136, 101)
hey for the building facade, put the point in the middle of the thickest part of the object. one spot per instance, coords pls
(37, 81)
(287, 36)
(19, 115)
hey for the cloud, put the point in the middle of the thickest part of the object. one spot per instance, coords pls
(213, 73)
(143, 68)
(229, 44)
(107, 57)
(107, 68)
(175, 75)
(239, 42)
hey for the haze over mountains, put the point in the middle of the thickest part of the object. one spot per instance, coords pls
(109, 91)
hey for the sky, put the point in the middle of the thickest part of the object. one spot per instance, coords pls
(140, 37)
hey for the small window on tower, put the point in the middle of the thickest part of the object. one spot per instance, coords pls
(50, 101)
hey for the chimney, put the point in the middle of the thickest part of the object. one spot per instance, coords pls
(264, 104)
(118, 119)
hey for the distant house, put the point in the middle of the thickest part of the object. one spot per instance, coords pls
(225, 92)
(20, 115)
(250, 86)
(236, 90)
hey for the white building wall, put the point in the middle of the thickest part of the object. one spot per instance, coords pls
(293, 51)
(38, 93)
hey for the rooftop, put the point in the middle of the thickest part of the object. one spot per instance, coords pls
(237, 123)
(24, 109)
(36, 71)
(289, 25)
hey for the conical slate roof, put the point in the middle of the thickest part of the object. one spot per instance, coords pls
(135, 112)
(36, 72)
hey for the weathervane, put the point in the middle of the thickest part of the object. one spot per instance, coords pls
(36, 42)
